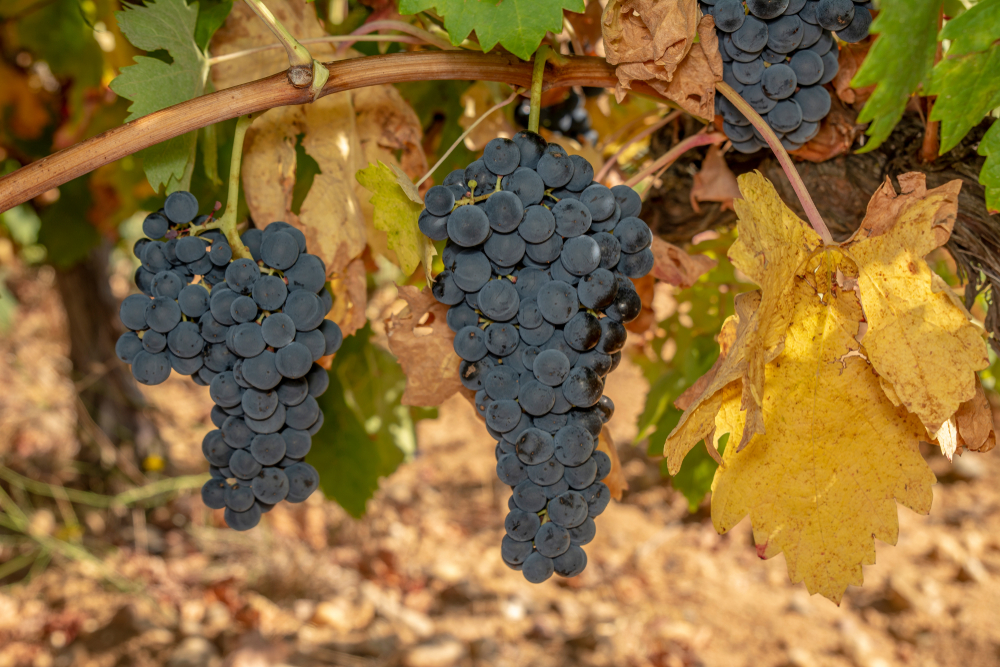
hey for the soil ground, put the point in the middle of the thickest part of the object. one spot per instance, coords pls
(418, 581)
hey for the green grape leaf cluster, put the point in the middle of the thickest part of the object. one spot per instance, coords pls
(177, 29)
(990, 175)
(517, 25)
(897, 63)
(367, 432)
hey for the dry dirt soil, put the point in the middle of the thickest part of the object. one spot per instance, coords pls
(419, 582)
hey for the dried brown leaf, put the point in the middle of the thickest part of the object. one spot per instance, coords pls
(714, 182)
(672, 265)
(420, 338)
(615, 481)
(974, 420)
(657, 31)
(587, 27)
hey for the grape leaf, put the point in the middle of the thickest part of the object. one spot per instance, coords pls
(967, 80)
(919, 338)
(975, 30)
(211, 15)
(990, 175)
(518, 25)
(900, 58)
(366, 431)
(396, 212)
(824, 480)
(153, 84)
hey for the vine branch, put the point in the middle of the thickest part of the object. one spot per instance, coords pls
(275, 91)
(812, 213)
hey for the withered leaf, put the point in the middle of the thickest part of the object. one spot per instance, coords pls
(672, 265)
(422, 342)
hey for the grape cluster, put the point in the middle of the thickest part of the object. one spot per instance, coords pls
(778, 54)
(569, 118)
(538, 263)
(249, 329)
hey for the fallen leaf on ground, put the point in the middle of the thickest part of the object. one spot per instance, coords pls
(672, 265)
(920, 337)
(974, 420)
(823, 482)
(714, 182)
(422, 342)
(615, 481)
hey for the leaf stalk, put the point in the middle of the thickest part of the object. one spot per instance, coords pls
(784, 159)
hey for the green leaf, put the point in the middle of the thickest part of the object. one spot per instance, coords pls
(153, 84)
(211, 15)
(366, 431)
(306, 170)
(65, 231)
(694, 479)
(518, 25)
(975, 30)
(990, 175)
(967, 89)
(897, 63)
(967, 80)
(397, 207)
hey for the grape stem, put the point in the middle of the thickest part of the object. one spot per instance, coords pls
(700, 139)
(472, 199)
(537, 75)
(227, 223)
(784, 159)
(298, 55)
(462, 137)
(611, 161)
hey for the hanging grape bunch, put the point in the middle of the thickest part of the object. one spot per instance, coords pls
(778, 55)
(249, 329)
(537, 273)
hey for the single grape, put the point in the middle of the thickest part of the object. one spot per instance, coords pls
(752, 36)
(784, 35)
(556, 170)
(469, 225)
(729, 15)
(767, 9)
(583, 174)
(858, 28)
(526, 184)
(241, 274)
(501, 156)
(180, 207)
(302, 481)
(571, 563)
(835, 14)
(813, 103)
(600, 202)
(778, 82)
(547, 251)
(748, 73)
(808, 67)
(439, 200)
(551, 367)
(505, 250)
(504, 210)
(498, 300)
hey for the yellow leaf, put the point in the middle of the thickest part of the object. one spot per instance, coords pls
(698, 420)
(823, 481)
(396, 212)
(919, 337)
(772, 249)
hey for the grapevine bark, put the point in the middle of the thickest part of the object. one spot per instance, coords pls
(275, 91)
